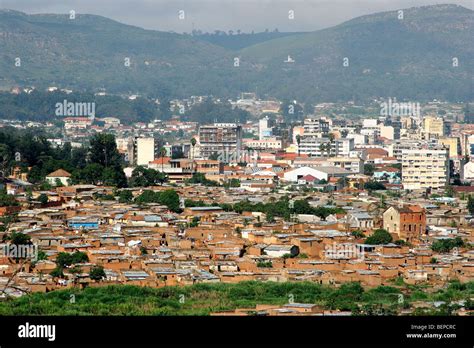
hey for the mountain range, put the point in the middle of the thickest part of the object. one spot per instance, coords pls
(426, 55)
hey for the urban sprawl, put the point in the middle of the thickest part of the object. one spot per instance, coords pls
(380, 197)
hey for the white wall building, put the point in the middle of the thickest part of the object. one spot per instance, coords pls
(315, 127)
(425, 168)
(323, 147)
(320, 173)
(145, 151)
(264, 130)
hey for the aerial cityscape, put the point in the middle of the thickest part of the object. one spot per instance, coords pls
(237, 173)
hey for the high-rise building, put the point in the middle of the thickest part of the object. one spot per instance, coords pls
(316, 127)
(144, 151)
(371, 129)
(220, 139)
(396, 123)
(433, 127)
(424, 168)
(264, 128)
(453, 144)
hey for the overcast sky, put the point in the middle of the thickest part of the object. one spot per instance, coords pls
(209, 15)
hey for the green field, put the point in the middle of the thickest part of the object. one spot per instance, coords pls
(203, 299)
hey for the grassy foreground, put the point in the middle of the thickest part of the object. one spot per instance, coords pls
(202, 299)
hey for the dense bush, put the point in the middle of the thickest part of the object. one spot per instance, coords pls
(282, 208)
(446, 245)
(67, 259)
(170, 198)
(379, 236)
(204, 298)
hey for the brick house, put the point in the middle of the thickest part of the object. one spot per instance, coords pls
(407, 221)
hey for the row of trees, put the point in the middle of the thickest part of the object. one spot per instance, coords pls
(40, 105)
(170, 198)
(282, 208)
(446, 245)
(99, 162)
(144, 177)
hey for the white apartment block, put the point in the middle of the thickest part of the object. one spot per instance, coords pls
(145, 151)
(264, 129)
(359, 139)
(424, 168)
(371, 129)
(353, 164)
(264, 144)
(315, 127)
(397, 147)
(311, 146)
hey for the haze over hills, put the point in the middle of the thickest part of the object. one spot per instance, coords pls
(410, 58)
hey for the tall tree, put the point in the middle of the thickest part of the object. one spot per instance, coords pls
(103, 150)
(193, 144)
(470, 204)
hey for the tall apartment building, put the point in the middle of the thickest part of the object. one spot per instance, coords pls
(371, 129)
(453, 144)
(424, 168)
(220, 138)
(264, 128)
(433, 127)
(315, 127)
(144, 151)
(396, 124)
(396, 148)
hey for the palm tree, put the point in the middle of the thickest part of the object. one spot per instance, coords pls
(193, 143)
(298, 141)
(325, 148)
(162, 154)
(4, 159)
(331, 141)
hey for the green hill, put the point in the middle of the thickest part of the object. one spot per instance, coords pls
(89, 52)
(410, 58)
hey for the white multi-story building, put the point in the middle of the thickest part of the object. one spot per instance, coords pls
(264, 129)
(424, 168)
(396, 148)
(315, 127)
(324, 147)
(265, 144)
(353, 164)
(144, 151)
(359, 139)
(344, 147)
(371, 129)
